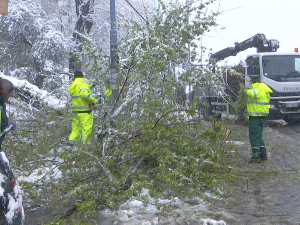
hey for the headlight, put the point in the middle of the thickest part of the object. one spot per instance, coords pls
(272, 106)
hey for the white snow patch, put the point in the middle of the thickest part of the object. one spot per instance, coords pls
(130, 212)
(134, 204)
(2, 180)
(237, 143)
(4, 157)
(42, 95)
(40, 173)
(124, 218)
(212, 222)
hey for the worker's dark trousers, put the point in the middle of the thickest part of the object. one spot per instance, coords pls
(255, 135)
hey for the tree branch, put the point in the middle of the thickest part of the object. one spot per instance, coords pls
(177, 110)
(123, 86)
(132, 170)
(106, 171)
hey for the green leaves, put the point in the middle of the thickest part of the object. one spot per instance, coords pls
(86, 208)
(147, 139)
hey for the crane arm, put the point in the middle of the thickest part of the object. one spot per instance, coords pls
(258, 41)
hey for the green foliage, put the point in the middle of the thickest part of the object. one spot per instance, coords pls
(240, 105)
(145, 139)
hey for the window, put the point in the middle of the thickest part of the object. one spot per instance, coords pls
(280, 65)
(253, 65)
(282, 68)
(297, 64)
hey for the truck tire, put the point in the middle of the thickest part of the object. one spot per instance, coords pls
(293, 121)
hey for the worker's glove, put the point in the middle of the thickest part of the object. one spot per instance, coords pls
(11, 126)
(108, 92)
(91, 104)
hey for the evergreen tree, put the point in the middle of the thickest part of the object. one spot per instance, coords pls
(31, 46)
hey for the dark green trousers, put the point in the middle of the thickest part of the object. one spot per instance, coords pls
(255, 135)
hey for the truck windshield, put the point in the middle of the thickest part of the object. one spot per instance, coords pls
(282, 67)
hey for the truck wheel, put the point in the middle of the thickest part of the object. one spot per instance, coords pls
(293, 121)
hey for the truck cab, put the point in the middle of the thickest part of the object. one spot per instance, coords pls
(281, 72)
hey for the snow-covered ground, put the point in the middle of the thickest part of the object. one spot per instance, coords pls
(136, 212)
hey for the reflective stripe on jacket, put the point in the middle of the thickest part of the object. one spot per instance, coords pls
(81, 95)
(258, 100)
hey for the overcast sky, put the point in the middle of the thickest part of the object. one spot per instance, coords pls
(241, 19)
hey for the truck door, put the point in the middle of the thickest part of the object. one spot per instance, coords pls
(252, 68)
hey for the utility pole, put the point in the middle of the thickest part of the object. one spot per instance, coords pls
(114, 58)
(190, 99)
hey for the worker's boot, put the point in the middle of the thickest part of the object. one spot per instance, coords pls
(263, 154)
(255, 156)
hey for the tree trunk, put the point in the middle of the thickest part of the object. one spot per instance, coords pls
(84, 11)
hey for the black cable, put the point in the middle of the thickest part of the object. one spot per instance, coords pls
(136, 11)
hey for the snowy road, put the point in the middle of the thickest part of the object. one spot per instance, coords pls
(268, 193)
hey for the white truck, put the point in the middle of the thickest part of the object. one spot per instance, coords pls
(280, 71)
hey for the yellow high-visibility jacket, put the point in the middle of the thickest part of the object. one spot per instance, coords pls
(81, 95)
(258, 99)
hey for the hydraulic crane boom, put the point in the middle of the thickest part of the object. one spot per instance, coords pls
(279, 71)
(258, 41)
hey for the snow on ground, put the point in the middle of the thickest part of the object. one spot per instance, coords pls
(38, 174)
(136, 212)
(237, 143)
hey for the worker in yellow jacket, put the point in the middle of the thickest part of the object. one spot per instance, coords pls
(257, 109)
(82, 100)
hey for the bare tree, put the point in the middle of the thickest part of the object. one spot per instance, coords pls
(84, 23)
